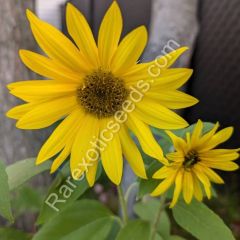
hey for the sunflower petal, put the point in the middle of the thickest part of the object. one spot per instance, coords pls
(187, 186)
(163, 186)
(49, 68)
(112, 160)
(225, 166)
(199, 172)
(31, 91)
(81, 155)
(129, 50)
(56, 45)
(145, 137)
(132, 154)
(214, 177)
(81, 33)
(58, 161)
(61, 136)
(154, 114)
(197, 189)
(163, 172)
(19, 111)
(178, 188)
(172, 99)
(91, 173)
(153, 70)
(218, 138)
(196, 133)
(109, 34)
(47, 113)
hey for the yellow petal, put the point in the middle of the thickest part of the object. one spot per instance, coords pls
(206, 137)
(163, 172)
(170, 79)
(219, 155)
(58, 161)
(56, 45)
(172, 99)
(214, 177)
(45, 114)
(129, 50)
(196, 133)
(82, 158)
(91, 173)
(154, 114)
(171, 57)
(19, 111)
(131, 153)
(145, 137)
(197, 189)
(225, 166)
(32, 91)
(198, 171)
(112, 160)
(81, 33)
(187, 186)
(63, 134)
(176, 156)
(178, 188)
(49, 68)
(109, 34)
(218, 138)
(163, 186)
(152, 70)
(178, 143)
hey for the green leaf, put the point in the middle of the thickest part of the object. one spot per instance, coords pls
(147, 186)
(63, 180)
(147, 211)
(27, 199)
(5, 204)
(201, 222)
(95, 230)
(135, 230)
(79, 214)
(22, 171)
(175, 237)
(13, 234)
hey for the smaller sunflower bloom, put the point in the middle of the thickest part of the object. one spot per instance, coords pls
(191, 165)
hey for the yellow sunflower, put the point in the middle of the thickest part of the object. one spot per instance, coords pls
(191, 164)
(97, 89)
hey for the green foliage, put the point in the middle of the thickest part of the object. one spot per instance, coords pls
(13, 234)
(201, 222)
(60, 181)
(135, 230)
(22, 171)
(98, 229)
(5, 205)
(148, 210)
(27, 199)
(146, 186)
(73, 218)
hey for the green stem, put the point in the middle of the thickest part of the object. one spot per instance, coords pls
(129, 190)
(123, 205)
(157, 218)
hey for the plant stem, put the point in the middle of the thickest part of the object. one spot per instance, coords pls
(123, 205)
(157, 218)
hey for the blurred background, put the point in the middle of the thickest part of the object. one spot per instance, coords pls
(210, 28)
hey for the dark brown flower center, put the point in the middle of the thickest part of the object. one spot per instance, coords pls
(191, 159)
(102, 94)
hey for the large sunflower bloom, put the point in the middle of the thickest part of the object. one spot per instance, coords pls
(88, 85)
(191, 164)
